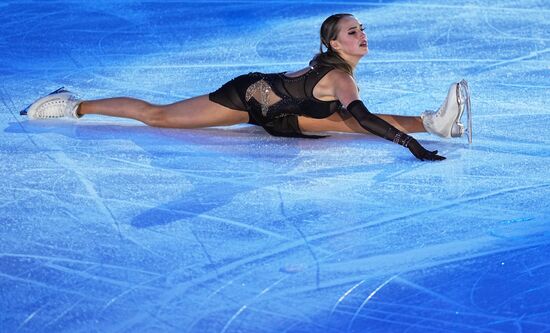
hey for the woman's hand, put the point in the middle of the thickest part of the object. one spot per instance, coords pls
(421, 153)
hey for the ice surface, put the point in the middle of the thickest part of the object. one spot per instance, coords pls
(107, 225)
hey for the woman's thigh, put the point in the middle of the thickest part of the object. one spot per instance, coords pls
(335, 123)
(339, 122)
(198, 112)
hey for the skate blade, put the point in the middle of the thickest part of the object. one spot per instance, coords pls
(25, 110)
(468, 107)
(457, 130)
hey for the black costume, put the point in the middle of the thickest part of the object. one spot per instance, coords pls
(274, 101)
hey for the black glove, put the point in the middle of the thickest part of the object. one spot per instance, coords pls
(421, 153)
(416, 148)
(380, 127)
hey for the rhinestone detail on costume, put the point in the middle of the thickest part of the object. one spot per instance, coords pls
(264, 90)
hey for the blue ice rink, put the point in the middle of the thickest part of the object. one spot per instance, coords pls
(107, 225)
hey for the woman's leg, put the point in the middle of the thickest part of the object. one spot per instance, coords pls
(194, 112)
(346, 123)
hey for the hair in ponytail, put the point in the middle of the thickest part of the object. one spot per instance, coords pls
(329, 31)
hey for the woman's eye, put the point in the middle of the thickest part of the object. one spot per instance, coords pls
(353, 32)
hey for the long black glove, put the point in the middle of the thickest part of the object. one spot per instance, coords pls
(383, 129)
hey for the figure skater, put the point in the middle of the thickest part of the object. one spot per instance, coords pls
(319, 98)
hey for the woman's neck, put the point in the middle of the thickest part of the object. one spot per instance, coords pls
(350, 60)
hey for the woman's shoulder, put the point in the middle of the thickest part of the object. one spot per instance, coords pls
(334, 80)
(339, 76)
(339, 73)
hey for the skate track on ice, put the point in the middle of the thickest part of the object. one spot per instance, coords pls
(107, 225)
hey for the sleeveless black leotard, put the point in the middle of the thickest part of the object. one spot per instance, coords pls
(274, 101)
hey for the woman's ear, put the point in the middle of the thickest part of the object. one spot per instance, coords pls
(335, 45)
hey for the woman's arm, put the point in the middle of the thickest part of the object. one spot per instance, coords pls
(346, 91)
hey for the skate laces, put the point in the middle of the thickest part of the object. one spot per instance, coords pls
(439, 112)
(428, 117)
(431, 116)
(52, 109)
(56, 108)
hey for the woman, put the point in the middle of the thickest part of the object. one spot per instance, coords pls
(321, 97)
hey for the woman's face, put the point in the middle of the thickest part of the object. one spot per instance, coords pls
(351, 40)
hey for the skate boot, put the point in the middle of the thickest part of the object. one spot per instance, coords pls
(445, 122)
(60, 103)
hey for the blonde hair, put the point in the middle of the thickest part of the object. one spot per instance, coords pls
(329, 31)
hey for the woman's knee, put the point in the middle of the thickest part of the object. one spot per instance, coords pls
(155, 115)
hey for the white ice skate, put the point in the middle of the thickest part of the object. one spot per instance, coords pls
(60, 103)
(445, 122)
